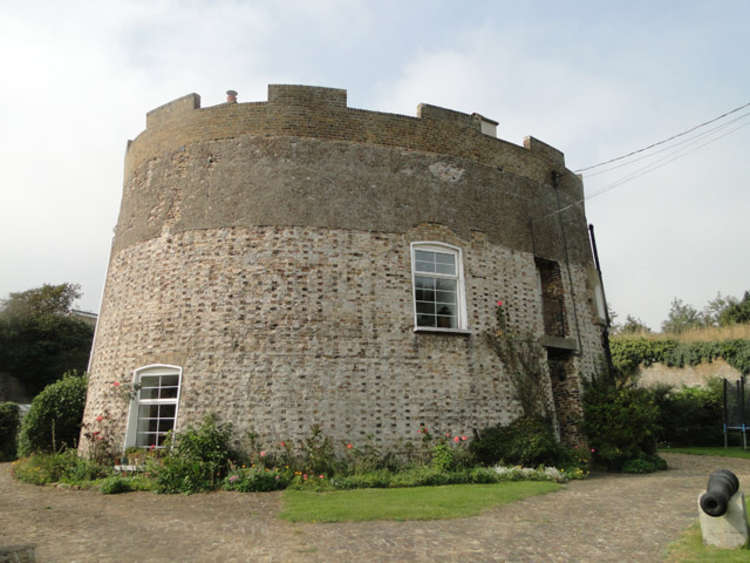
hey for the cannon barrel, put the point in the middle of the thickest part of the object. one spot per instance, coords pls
(722, 485)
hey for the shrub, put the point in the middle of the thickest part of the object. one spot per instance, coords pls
(644, 464)
(198, 461)
(65, 467)
(9, 421)
(690, 416)
(526, 441)
(621, 423)
(54, 420)
(256, 480)
(115, 485)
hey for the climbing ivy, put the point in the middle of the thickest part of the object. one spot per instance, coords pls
(629, 353)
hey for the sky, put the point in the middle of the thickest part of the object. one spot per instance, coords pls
(595, 79)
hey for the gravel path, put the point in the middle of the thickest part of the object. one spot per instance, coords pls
(604, 518)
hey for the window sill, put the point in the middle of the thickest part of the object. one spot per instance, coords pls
(436, 330)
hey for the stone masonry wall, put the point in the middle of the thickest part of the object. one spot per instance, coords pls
(277, 329)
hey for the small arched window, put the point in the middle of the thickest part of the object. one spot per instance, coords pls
(438, 281)
(153, 412)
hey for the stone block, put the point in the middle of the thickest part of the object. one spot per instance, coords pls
(728, 531)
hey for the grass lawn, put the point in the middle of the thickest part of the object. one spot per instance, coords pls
(690, 548)
(413, 503)
(732, 451)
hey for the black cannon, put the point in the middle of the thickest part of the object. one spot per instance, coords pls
(722, 484)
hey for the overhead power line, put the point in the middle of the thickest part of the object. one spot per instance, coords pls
(657, 143)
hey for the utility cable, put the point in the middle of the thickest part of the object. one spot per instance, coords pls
(657, 143)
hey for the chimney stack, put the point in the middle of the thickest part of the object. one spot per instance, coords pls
(231, 97)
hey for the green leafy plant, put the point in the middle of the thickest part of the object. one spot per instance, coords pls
(198, 461)
(115, 485)
(9, 422)
(620, 422)
(54, 420)
(526, 441)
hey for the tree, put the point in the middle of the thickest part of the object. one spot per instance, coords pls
(46, 300)
(715, 308)
(736, 312)
(682, 316)
(38, 340)
(633, 325)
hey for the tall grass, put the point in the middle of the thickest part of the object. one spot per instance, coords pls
(707, 334)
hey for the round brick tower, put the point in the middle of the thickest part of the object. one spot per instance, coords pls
(297, 262)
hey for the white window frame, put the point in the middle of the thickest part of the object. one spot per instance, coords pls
(149, 370)
(441, 247)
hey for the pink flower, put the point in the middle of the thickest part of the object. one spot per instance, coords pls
(116, 384)
(322, 476)
(262, 453)
(349, 446)
(233, 478)
(283, 444)
(456, 439)
(277, 477)
(447, 434)
(593, 450)
(98, 437)
(499, 303)
(305, 476)
(463, 438)
(96, 432)
(99, 418)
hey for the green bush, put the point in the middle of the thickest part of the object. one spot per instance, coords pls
(54, 420)
(65, 467)
(621, 423)
(644, 464)
(690, 416)
(527, 441)
(256, 480)
(115, 485)
(198, 461)
(9, 421)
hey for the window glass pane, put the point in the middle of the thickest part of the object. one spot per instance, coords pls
(446, 297)
(150, 393)
(445, 285)
(446, 310)
(169, 380)
(445, 258)
(424, 266)
(425, 307)
(424, 295)
(168, 393)
(167, 411)
(446, 269)
(165, 425)
(424, 256)
(422, 282)
(446, 322)
(425, 320)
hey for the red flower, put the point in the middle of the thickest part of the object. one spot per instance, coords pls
(456, 439)
(153, 447)
(262, 454)
(283, 444)
(96, 432)
(499, 303)
(463, 438)
(349, 446)
(99, 418)
(116, 384)
(98, 437)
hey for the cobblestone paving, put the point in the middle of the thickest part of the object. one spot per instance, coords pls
(604, 518)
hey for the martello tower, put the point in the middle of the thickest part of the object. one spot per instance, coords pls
(297, 262)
